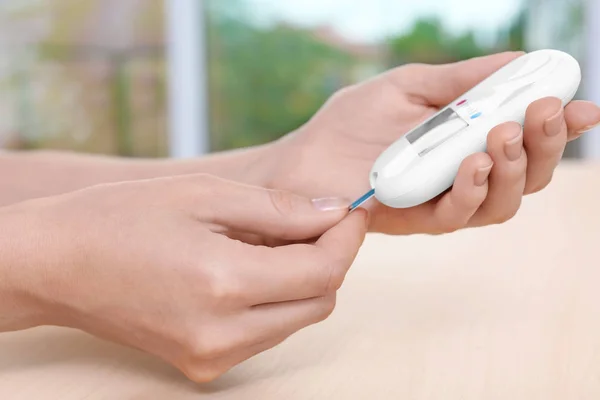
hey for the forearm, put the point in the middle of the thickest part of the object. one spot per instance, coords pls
(27, 175)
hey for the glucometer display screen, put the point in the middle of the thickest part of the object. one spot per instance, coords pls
(442, 118)
(435, 131)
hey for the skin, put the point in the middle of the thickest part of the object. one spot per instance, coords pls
(206, 272)
(161, 265)
(335, 151)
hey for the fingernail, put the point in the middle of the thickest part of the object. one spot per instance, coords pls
(588, 128)
(514, 147)
(331, 203)
(554, 124)
(482, 175)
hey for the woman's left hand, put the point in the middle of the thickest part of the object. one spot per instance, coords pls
(333, 153)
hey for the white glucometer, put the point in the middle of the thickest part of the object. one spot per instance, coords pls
(425, 161)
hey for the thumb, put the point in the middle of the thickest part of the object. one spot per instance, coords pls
(438, 85)
(274, 213)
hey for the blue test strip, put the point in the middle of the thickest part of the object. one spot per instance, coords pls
(362, 200)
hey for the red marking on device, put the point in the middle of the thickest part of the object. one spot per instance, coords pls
(461, 103)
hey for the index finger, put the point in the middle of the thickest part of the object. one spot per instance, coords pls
(303, 271)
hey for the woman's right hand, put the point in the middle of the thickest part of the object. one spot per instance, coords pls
(202, 272)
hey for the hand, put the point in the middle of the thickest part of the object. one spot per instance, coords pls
(334, 152)
(167, 266)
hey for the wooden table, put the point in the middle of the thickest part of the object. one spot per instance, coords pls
(507, 312)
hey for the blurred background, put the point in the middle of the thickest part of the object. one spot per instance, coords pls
(178, 78)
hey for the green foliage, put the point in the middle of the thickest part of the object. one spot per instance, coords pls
(122, 110)
(513, 36)
(266, 82)
(428, 42)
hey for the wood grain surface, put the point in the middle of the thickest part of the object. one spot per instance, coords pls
(508, 312)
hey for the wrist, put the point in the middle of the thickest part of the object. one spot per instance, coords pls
(21, 246)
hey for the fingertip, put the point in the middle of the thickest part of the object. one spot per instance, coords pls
(347, 236)
(543, 109)
(364, 213)
(473, 175)
(473, 186)
(476, 162)
(359, 218)
(581, 116)
(367, 218)
(501, 134)
(548, 100)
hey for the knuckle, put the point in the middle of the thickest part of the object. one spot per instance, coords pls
(198, 186)
(505, 216)
(207, 344)
(412, 69)
(341, 92)
(326, 307)
(540, 186)
(203, 372)
(341, 96)
(332, 276)
(449, 224)
(435, 232)
(545, 105)
(223, 289)
(336, 280)
(452, 227)
(397, 76)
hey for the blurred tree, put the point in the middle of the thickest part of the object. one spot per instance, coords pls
(78, 82)
(428, 42)
(265, 81)
(513, 36)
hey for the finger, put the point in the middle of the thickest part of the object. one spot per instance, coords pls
(342, 243)
(581, 117)
(508, 176)
(204, 371)
(303, 271)
(255, 331)
(264, 322)
(255, 239)
(454, 210)
(274, 213)
(438, 85)
(284, 319)
(545, 139)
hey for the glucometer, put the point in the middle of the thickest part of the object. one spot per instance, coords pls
(425, 161)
